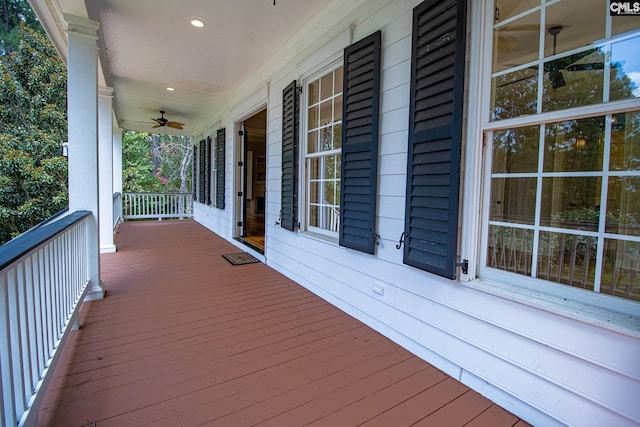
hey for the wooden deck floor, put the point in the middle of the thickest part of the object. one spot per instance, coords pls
(184, 338)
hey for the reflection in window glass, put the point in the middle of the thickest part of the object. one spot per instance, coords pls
(506, 9)
(510, 249)
(625, 142)
(514, 94)
(574, 80)
(621, 269)
(623, 206)
(571, 203)
(513, 200)
(514, 44)
(625, 69)
(516, 150)
(567, 258)
(574, 145)
(571, 25)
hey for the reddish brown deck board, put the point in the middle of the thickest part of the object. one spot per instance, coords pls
(185, 338)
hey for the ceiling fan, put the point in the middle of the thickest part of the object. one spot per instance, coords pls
(161, 122)
(569, 63)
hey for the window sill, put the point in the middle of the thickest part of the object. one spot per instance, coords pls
(620, 322)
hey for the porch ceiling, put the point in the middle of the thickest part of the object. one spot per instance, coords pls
(149, 45)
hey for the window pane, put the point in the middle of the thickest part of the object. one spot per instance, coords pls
(574, 25)
(625, 142)
(514, 94)
(337, 109)
(571, 202)
(326, 86)
(574, 146)
(313, 118)
(337, 136)
(510, 249)
(313, 142)
(314, 93)
(507, 8)
(314, 194)
(625, 69)
(623, 24)
(313, 215)
(326, 113)
(620, 268)
(339, 75)
(314, 168)
(623, 206)
(513, 200)
(567, 258)
(326, 142)
(574, 80)
(516, 150)
(516, 43)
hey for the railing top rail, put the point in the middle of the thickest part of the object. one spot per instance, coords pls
(26, 242)
(167, 194)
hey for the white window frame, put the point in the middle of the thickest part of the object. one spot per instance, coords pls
(305, 156)
(605, 310)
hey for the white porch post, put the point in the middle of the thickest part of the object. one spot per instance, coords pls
(105, 166)
(117, 160)
(82, 110)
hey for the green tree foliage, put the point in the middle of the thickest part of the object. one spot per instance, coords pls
(33, 126)
(156, 163)
(14, 13)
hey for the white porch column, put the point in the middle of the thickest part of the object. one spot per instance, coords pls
(105, 167)
(82, 110)
(117, 160)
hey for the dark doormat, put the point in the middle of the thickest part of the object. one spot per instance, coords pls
(240, 258)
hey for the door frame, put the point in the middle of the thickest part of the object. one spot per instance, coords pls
(239, 176)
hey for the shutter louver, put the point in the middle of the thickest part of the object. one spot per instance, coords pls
(220, 160)
(360, 118)
(435, 129)
(290, 135)
(202, 173)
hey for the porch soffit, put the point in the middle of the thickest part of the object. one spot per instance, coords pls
(146, 46)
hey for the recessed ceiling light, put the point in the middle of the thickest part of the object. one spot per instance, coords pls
(170, 89)
(198, 23)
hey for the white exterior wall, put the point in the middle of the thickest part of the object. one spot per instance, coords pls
(548, 363)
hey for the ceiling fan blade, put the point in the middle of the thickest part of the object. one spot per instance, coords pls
(586, 67)
(175, 125)
(156, 126)
(158, 121)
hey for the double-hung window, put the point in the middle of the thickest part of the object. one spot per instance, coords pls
(323, 152)
(562, 186)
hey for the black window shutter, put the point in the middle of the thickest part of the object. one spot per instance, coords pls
(289, 189)
(202, 173)
(194, 163)
(220, 159)
(435, 129)
(360, 117)
(208, 171)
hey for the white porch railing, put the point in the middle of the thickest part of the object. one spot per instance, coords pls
(117, 209)
(157, 205)
(43, 280)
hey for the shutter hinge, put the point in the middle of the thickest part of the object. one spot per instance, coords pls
(240, 163)
(239, 193)
(403, 236)
(376, 236)
(464, 265)
(239, 223)
(240, 133)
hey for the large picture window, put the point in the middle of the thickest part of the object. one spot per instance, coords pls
(323, 152)
(563, 199)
